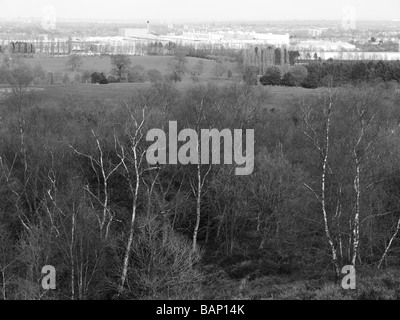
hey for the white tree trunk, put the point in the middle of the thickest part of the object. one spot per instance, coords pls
(390, 244)
(323, 191)
(135, 193)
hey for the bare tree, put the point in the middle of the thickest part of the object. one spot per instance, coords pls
(197, 70)
(322, 143)
(75, 61)
(132, 156)
(104, 169)
(120, 64)
(389, 244)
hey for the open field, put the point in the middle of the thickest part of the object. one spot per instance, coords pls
(279, 96)
(103, 64)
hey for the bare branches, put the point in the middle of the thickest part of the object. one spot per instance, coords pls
(390, 244)
(133, 156)
(104, 170)
(17, 190)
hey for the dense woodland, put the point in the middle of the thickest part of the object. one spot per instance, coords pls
(77, 193)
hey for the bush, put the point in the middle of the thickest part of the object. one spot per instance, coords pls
(288, 80)
(381, 286)
(310, 82)
(272, 77)
(154, 76)
(299, 73)
(137, 74)
(77, 78)
(66, 79)
(332, 292)
(112, 79)
(162, 266)
(99, 78)
(58, 77)
(86, 76)
(250, 75)
(174, 76)
(39, 73)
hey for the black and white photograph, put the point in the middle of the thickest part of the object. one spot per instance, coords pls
(203, 157)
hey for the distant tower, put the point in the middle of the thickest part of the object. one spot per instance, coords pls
(148, 26)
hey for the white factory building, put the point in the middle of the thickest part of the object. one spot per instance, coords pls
(231, 39)
(317, 45)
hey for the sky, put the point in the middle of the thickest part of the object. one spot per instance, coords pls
(202, 10)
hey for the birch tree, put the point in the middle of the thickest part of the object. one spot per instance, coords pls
(104, 170)
(132, 157)
(319, 135)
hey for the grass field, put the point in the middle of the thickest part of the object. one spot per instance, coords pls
(103, 64)
(278, 96)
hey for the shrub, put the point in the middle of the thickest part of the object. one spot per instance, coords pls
(299, 73)
(99, 78)
(272, 77)
(174, 76)
(154, 76)
(137, 73)
(382, 286)
(111, 79)
(332, 292)
(310, 82)
(77, 78)
(58, 77)
(288, 80)
(162, 265)
(250, 75)
(86, 76)
(66, 79)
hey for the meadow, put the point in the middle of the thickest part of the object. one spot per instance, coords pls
(279, 97)
(103, 64)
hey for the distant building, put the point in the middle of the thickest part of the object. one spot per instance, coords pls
(236, 39)
(315, 32)
(273, 39)
(21, 47)
(316, 45)
(134, 32)
(355, 55)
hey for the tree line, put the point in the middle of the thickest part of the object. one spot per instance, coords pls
(333, 73)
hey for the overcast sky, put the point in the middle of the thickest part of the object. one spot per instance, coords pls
(261, 10)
